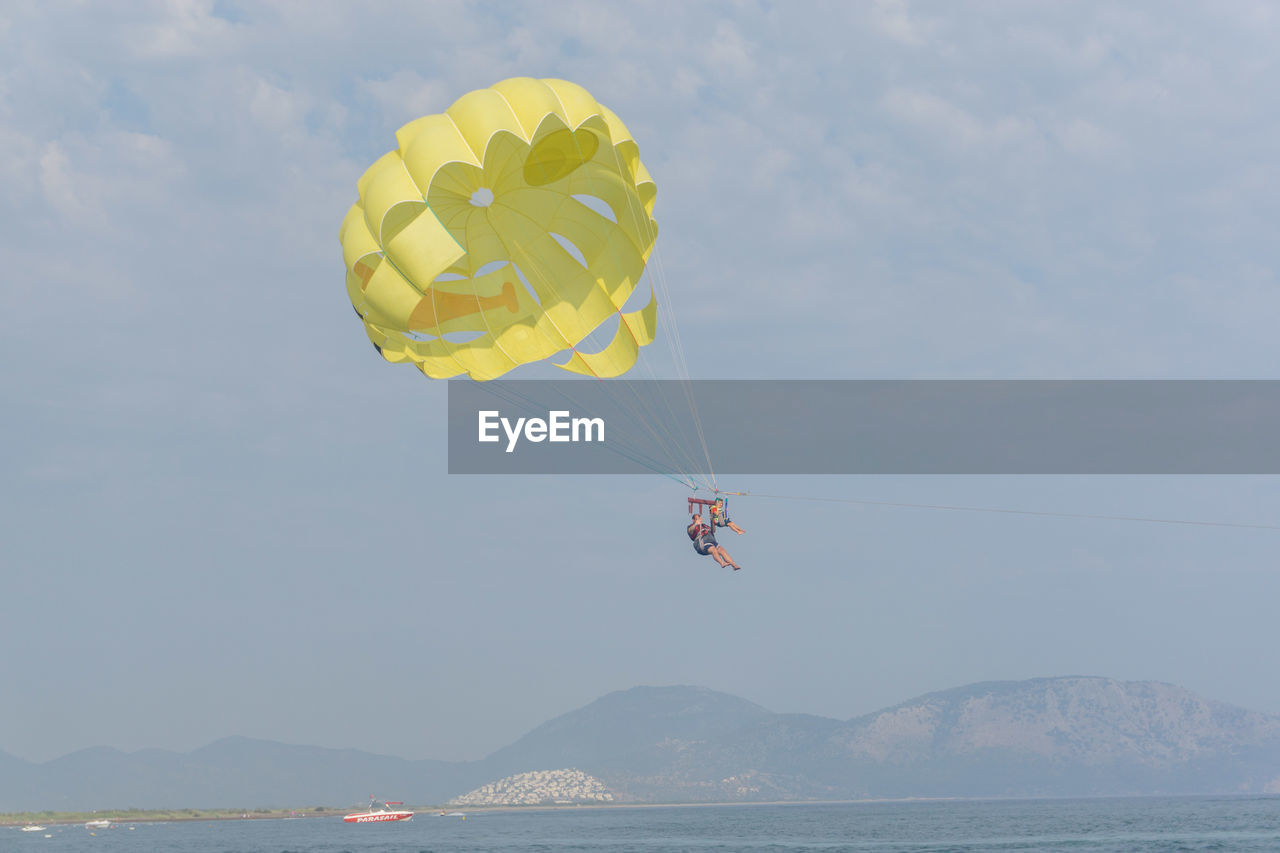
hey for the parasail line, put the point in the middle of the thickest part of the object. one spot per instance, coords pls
(641, 222)
(1081, 515)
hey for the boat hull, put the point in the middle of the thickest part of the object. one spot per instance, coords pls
(376, 817)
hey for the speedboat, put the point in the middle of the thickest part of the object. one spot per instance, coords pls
(32, 828)
(379, 813)
(100, 823)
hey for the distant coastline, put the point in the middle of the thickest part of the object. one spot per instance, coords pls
(161, 816)
(164, 816)
(1062, 737)
(17, 819)
(10, 821)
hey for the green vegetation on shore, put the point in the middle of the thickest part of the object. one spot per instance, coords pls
(145, 815)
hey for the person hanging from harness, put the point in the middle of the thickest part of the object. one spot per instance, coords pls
(720, 516)
(704, 542)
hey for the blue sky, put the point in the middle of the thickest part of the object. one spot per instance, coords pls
(224, 514)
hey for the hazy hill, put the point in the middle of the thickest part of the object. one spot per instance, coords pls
(1060, 736)
(623, 729)
(1044, 737)
(233, 772)
(1093, 721)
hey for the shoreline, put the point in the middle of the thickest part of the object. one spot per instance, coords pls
(163, 816)
(19, 819)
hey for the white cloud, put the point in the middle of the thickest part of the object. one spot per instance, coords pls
(59, 184)
(729, 54)
(91, 180)
(276, 111)
(950, 123)
(894, 18)
(180, 29)
(686, 82)
(1086, 139)
(404, 95)
(19, 156)
(1066, 51)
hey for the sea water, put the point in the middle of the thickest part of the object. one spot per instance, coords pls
(1102, 825)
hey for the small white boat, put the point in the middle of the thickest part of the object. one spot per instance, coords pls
(100, 823)
(32, 828)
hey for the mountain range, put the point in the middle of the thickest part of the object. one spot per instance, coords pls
(1074, 736)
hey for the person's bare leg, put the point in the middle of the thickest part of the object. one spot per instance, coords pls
(728, 561)
(735, 528)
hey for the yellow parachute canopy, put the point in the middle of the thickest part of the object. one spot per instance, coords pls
(503, 231)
